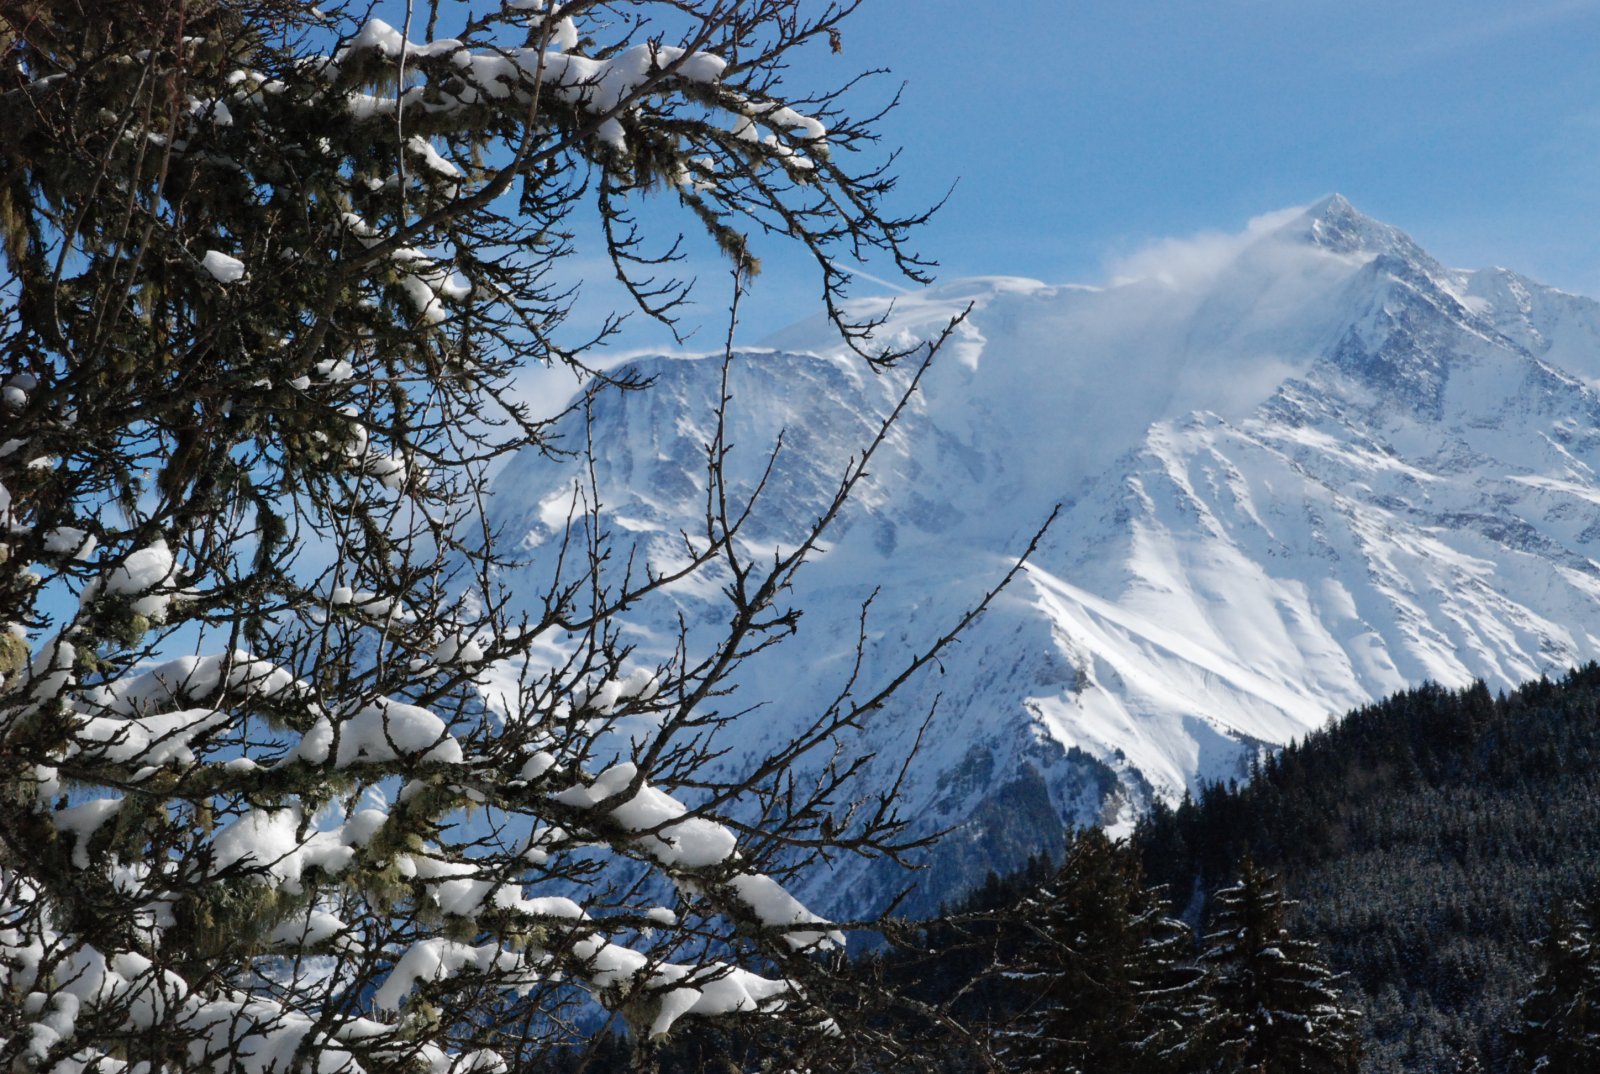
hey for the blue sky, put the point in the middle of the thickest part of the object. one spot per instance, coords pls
(1079, 132)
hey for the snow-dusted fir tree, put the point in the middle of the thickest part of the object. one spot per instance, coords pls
(271, 268)
(1275, 1005)
(1558, 1029)
(1102, 971)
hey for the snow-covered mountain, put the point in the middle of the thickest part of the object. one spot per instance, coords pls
(1300, 468)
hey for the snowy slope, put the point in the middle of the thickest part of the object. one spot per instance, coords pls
(1300, 469)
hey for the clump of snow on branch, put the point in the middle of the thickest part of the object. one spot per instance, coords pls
(690, 843)
(602, 87)
(145, 578)
(223, 268)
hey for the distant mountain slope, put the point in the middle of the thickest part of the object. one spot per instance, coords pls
(1303, 471)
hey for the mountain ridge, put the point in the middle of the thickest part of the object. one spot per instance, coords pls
(1300, 468)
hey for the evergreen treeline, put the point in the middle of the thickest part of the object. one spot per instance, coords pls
(1442, 848)
(1080, 968)
(1434, 839)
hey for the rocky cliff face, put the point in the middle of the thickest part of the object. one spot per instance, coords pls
(1315, 468)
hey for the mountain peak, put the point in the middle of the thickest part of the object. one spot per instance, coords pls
(1337, 226)
(1332, 205)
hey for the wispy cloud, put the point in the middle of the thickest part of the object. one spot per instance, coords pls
(1180, 262)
